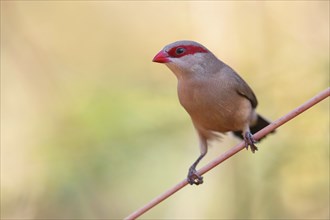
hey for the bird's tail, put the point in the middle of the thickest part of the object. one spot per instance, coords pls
(261, 123)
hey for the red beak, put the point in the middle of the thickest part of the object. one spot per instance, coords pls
(161, 57)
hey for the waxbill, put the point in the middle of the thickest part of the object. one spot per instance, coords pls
(217, 99)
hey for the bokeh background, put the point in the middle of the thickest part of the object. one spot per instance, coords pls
(92, 129)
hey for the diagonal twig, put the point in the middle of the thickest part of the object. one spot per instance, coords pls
(271, 127)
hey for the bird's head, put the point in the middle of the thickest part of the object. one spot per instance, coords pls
(184, 57)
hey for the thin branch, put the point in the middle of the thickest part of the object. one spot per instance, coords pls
(310, 103)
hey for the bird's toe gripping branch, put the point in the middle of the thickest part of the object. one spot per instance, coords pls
(194, 177)
(249, 141)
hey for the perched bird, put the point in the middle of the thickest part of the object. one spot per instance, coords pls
(217, 99)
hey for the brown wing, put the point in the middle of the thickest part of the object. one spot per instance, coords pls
(244, 89)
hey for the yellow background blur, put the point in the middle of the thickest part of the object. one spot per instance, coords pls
(91, 128)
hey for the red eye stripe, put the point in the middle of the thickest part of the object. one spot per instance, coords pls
(187, 49)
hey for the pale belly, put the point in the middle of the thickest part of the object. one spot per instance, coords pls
(220, 111)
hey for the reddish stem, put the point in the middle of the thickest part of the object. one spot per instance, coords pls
(310, 103)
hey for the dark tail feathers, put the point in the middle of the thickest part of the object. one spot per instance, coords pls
(261, 123)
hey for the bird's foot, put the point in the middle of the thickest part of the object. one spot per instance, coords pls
(249, 141)
(194, 177)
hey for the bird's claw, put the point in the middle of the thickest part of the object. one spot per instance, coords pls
(194, 177)
(249, 141)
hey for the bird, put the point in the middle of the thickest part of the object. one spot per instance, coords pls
(215, 96)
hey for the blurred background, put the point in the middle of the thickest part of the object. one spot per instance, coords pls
(91, 128)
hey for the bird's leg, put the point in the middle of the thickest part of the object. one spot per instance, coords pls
(193, 176)
(249, 141)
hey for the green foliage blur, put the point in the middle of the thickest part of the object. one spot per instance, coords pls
(92, 129)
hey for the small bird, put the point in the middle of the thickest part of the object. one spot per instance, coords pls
(217, 99)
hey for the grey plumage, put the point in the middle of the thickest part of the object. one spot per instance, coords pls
(215, 96)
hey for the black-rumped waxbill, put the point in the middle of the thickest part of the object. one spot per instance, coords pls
(217, 99)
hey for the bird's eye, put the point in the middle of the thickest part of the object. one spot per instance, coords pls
(180, 50)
